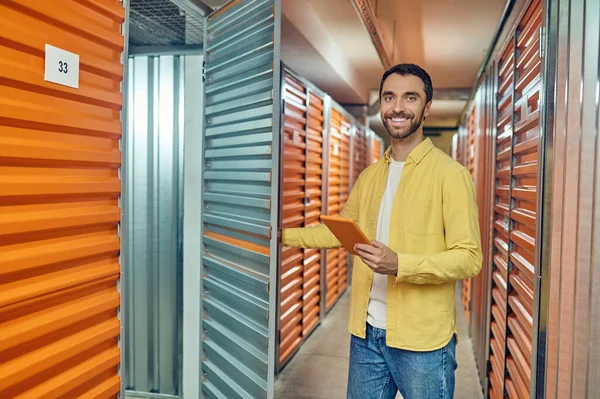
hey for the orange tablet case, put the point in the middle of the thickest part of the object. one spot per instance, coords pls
(346, 231)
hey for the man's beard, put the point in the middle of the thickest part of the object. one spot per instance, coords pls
(404, 132)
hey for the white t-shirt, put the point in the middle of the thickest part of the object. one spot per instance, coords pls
(378, 297)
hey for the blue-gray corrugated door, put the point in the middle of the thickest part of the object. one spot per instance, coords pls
(240, 200)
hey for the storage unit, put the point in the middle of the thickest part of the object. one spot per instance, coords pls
(315, 203)
(360, 152)
(515, 207)
(375, 145)
(294, 203)
(536, 272)
(344, 258)
(59, 200)
(303, 180)
(338, 192)
(469, 163)
(523, 198)
(318, 141)
(501, 221)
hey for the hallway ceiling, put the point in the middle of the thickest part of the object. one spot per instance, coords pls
(327, 42)
(448, 38)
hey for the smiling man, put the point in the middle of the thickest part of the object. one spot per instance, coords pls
(418, 206)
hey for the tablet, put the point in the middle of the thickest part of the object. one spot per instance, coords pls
(346, 231)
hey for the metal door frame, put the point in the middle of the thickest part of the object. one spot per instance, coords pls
(126, 213)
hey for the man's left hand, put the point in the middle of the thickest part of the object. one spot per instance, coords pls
(378, 257)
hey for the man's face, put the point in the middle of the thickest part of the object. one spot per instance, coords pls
(403, 105)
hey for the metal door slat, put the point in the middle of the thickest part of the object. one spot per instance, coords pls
(220, 267)
(522, 338)
(237, 324)
(219, 385)
(261, 30)
(243, 93)
(237, 344)
(258, 143)
(526, 268)
(232, 14)
(516, 376)
(221, 360)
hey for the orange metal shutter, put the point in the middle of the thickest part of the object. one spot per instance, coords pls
(355, 155)
(470, 165)
(59, 211)
(292, 259)
(335, 178)
(501, 221)
(314, 192)
(376, 150)
(359, 150)
(363, 151)
(344, 193)
(524, 203)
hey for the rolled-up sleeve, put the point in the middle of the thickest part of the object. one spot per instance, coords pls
(319, 236)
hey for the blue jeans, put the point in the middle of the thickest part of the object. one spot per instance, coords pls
(378, 371)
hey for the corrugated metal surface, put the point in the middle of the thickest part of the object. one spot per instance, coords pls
(481, 284)
(300, 297)
(241, 200)
(154, 173)
(571, 297)
(515, 209)
(334, 208)
(344, 193)
(376, 149)
(294, 199)
(470, 165)
(470, 150)
(59, 190)
(314, 206)
(524, 202)
(501, 220)
(359, 152)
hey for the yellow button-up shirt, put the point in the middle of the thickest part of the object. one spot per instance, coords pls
(434, 230)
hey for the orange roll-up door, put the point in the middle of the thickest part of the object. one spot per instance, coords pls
(344, 193)
(376, 150)
(355, 154)
(292, 259)
(335, 178)
(314, 203)
(470, 165)
(524, 203)
(359, 153)
(501, 221)
(364, 151)
(59, 210)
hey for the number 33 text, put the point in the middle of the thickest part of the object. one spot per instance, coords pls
(62, 67)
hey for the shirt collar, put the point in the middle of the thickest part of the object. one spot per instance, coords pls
(417, 154)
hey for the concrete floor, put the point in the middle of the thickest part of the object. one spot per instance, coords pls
(320, 368)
